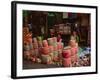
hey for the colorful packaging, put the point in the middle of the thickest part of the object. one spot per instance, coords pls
(66, 62)
(66, 53)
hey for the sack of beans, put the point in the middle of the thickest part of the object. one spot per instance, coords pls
(46, 59)
(45, 43)
(50, 41)
(51, 49)
(66, 53)
(66, 62)
(45, 50)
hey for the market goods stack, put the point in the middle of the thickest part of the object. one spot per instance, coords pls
(70, 56)
(27, 44)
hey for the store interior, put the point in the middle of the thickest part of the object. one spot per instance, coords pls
(56, 39)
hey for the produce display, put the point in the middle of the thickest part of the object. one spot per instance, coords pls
(49, 51)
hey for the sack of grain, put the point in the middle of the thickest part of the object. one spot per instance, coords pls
(45, 43)
(45, 50)
(46, 59)
(51, 49)
(50, 41)
(66, 62)
(66, 53)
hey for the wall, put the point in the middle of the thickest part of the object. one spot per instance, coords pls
(5, 40)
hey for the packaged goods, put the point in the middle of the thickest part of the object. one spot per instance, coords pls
(50, 41)
(66, 62)
(46, 59)
(45, 50)
(66, 53)
(51, 49)
(45, 43)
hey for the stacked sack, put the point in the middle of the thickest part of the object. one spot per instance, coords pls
(27, 44)
(51, 51)
(70, 56)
